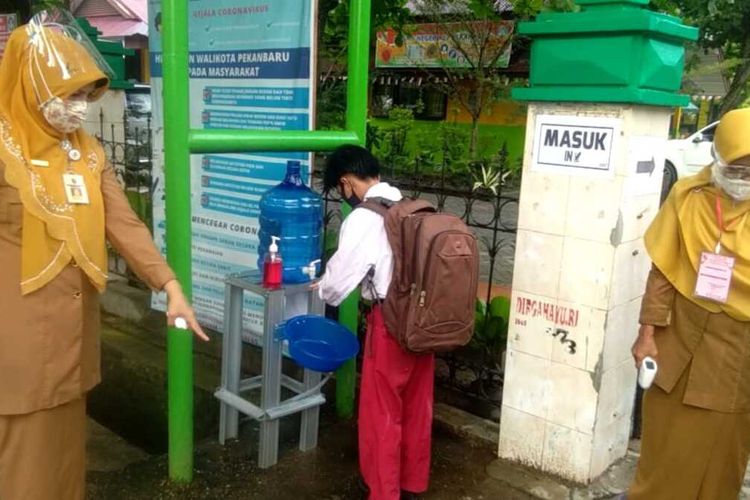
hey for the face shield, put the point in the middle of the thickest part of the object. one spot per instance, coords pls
(63, 63)
(732, 178)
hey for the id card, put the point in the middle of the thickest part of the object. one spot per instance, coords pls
(75, 189)
(714, 277)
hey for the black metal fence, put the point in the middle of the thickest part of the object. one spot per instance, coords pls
(127, 143)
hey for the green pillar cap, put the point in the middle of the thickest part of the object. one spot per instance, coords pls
(613, 51)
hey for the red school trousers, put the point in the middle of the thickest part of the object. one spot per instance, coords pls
(395, 414)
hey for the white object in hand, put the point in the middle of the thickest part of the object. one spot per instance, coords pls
(180, 323)
(647, 372)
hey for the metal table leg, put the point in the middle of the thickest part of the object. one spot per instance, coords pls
(231, 360)
(271, 383)
(308, 435)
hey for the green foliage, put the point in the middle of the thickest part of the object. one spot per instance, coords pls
(491, 173)
(724, 25)
(491, 326)
(331, 106)
(393, 146)
(454, 141)
(333, 23)
(437, 148)
(39, 5)
(26, 8)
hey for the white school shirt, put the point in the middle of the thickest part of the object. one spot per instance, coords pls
(363, 244)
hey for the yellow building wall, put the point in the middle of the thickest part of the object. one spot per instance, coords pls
(503, 112)
(146, 65)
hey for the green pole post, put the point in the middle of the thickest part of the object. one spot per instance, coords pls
(356, 121)
(242, 141)
(179, 237)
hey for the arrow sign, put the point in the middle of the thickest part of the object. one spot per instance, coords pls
(646, 167)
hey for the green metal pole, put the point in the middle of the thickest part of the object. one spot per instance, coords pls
(356, 121)
(242, 141)
(179, 237)
(358, 72)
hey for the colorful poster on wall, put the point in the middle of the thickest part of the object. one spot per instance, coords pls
(251, 67)
(8, 23)
(447, 45)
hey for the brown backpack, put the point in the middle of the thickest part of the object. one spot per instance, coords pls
(431, 300)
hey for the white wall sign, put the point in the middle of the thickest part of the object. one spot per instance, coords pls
(575, 145)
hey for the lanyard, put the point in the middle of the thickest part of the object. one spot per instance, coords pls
(720, 222)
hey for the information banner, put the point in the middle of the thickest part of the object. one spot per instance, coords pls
(447, 45)
(251, 67)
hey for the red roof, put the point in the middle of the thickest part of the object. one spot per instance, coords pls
(115, 26)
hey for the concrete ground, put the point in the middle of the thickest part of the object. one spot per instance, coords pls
(462, 470)
(459, 470)
(132, 400)
(108, 452)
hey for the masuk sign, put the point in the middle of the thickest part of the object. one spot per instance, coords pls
(575, 145)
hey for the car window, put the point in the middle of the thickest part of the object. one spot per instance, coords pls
(708, 133)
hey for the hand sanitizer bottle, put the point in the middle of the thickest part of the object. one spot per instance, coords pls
(272, 265)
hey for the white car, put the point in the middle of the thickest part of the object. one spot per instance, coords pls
(687, 156)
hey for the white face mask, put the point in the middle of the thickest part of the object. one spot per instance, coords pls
(65, 116)
(738, 189)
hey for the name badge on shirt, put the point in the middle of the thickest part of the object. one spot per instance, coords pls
(75, 189)
(714, 277)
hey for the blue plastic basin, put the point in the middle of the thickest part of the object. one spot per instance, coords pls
(318, 343)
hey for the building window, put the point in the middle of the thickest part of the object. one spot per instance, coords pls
(426, 102)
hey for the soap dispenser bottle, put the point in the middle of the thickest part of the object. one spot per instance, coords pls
(272, 265)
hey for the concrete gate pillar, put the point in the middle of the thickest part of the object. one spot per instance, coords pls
(602, 88)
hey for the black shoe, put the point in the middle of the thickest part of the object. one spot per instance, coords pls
(408, 495)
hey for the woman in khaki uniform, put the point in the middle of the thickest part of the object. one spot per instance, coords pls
(59, 201)
(695, 321)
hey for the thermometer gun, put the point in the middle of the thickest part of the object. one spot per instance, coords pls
(647, 373)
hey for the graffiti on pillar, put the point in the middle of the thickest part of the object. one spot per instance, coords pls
(562, 319)
(563, 337)
(559, 315)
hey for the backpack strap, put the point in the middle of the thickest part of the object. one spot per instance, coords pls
(378, 205)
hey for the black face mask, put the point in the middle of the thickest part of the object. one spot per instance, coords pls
(353, 200)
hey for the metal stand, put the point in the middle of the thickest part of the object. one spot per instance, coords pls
(271, 380)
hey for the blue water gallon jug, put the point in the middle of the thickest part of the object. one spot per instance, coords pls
(294, 212)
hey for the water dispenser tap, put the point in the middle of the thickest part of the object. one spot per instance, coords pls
(311, 270)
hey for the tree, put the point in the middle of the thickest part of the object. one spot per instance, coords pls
(26, 8)
(724, 25)
(333, 30)
(333, 22)
(475, 32)
(38, 5)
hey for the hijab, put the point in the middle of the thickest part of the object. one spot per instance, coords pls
(55, 232)
(688, 225)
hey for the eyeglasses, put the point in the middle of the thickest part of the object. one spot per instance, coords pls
(731, 171)
(736, 172)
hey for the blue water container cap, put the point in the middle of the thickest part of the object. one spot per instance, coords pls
(293, 167)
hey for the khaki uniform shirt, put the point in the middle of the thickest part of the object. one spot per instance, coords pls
(713, 346)
(49, 339)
